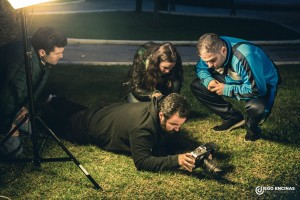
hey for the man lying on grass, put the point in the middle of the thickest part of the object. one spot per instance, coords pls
(135, 129)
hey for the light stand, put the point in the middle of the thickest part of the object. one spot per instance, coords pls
(32, 115)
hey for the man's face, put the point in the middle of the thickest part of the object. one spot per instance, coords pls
(214, 60)
(172, 124)
(53, 57)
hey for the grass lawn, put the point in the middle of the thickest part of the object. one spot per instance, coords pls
(272, 161)
(140, 26)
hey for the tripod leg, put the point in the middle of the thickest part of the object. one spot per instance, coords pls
(70, 154)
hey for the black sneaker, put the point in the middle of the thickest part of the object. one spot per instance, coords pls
(229, 125)
(252, 135)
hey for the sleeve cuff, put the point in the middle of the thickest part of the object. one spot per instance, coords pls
(174, 160)
(226, 90)
(207, 80)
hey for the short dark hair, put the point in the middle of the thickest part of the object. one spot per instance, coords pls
(173, 103)
(47, 38)
(209, 43)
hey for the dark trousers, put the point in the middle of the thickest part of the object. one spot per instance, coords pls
(255, 108)
(67, 119)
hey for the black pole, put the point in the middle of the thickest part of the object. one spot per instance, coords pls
(28, 68)
(22, 121)
(70, 154)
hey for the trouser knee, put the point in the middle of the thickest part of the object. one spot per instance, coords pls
(255, 110)
(197, 88)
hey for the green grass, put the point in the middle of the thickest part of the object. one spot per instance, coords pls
(272, 161)
(140, 26)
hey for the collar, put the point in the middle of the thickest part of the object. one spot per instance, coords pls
(229, 53)
(44, 65)
(153, 109)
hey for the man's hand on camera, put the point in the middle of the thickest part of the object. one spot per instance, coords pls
(187, 161)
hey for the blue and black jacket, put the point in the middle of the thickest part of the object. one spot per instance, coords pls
(249, 72)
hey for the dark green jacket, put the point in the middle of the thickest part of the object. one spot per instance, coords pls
(131, 128)
(13, 87)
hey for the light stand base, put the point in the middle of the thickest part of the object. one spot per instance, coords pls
(37, 161)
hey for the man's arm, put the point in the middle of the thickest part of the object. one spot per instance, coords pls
(142, 144)
(202, 72)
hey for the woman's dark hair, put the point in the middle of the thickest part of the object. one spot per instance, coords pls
(151, 55)
(47, 38)
(173, 103)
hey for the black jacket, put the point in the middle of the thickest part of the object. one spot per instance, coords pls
(13, 88)
(131, 128)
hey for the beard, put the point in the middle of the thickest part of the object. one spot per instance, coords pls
(164, 127)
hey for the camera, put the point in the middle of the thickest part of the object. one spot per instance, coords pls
(203, 155)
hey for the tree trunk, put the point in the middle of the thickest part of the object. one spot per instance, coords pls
(9, 23)
(156, 13)
(138, 5)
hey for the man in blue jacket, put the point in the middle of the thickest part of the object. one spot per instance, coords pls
(47, 46)
(235, 68)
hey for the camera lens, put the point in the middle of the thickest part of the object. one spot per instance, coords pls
(211, 167)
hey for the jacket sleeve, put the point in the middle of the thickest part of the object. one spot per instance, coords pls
(142, 144)
(137, 74)
(203, 73)
(14, 90)
(253, 83)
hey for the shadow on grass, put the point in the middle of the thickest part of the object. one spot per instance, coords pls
(196, 114)
(201, 174)
(178, 142)
(282, 137)
(184, 142)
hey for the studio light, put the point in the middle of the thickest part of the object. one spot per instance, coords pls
(16, 4)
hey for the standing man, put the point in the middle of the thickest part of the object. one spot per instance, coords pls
(136, 129)
(235, 68)
(47, 47)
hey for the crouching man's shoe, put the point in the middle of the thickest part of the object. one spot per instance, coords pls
(11, 148)
(229, 125)
(252, 135)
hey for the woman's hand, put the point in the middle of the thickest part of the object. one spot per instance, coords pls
(156, 94)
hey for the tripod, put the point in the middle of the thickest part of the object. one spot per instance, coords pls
(34, 117)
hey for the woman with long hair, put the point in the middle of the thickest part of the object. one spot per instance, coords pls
(156, 70)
